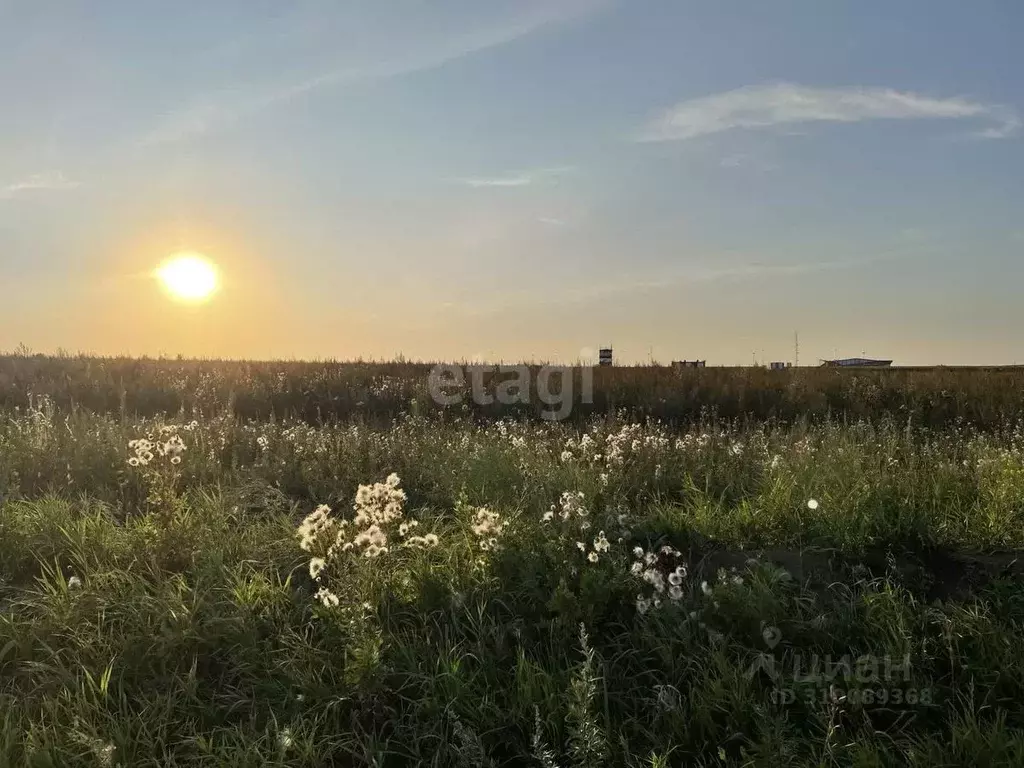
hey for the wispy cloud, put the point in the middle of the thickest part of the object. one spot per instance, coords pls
(518, 179)
(216, 110)
(786, 104)
(521, 180)
(50, 181)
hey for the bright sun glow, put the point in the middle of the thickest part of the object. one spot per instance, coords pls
(188, 276)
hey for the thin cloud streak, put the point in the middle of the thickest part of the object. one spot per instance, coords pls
(51, 181)
(221, 109)
(778, 104)
(502, 181)
(519, 179)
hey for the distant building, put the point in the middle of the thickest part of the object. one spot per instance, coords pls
(856, 362)
(680, 364)
(780, 366)
(605, 356)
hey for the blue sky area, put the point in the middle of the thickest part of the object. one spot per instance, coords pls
(516, 179)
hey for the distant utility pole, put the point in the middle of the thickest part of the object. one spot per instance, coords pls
(796, 349)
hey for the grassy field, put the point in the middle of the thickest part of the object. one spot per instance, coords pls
(984, 398)
(209, 564)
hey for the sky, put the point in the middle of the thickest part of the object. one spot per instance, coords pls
(465, 180)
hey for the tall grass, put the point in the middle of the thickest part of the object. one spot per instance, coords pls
(319, 391)
(166, 613)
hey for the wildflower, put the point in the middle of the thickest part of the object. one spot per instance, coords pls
(172, 447)
(592, 557)
(328, 598)
(487, 526)
(317, 522)
(176, 460)
(638, 552)
(642, 604)
(581, 546)
(422, 542)
(548, 516)
(812, 504)
(675, 592)
(601, 543)
(675, 579)
(262, 442)
(637, 568)
(571, 505)
(316, 566)
(74, 583)
(706, 588)
(566, 456)
(133, 462)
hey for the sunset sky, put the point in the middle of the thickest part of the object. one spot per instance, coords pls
(530, 179)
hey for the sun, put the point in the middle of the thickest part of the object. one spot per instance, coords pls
(188, 277)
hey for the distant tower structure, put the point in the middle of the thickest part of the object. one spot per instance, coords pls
(796, 349)
(605, 356)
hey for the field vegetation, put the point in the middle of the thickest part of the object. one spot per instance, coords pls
(234, 564)
(985, 398)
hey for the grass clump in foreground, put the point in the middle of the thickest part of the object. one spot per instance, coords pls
(433, 593)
